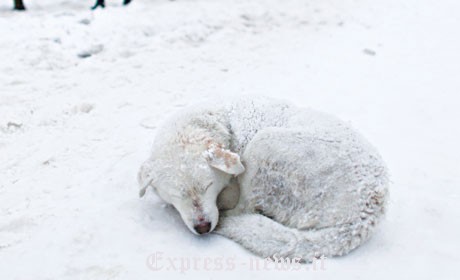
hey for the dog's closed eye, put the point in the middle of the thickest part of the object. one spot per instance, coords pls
(207, 187)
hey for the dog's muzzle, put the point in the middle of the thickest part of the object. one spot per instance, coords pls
(203, 227)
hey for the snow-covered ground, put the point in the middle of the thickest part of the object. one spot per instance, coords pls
(82, 93)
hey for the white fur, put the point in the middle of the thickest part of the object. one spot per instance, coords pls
(308, 184)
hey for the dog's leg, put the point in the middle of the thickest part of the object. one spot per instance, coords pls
(258, 234)
(126, 2)
(268, 238)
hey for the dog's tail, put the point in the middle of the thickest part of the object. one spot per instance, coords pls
(268, 238)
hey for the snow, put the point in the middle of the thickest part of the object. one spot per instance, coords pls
(82, 93)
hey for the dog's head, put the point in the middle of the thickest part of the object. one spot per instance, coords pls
(191, 182)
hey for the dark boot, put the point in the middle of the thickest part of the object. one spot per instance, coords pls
(99, 3)
(19, 5)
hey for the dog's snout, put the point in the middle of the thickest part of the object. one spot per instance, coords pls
(203, 227)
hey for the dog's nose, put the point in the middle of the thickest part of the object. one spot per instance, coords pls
(203, 227)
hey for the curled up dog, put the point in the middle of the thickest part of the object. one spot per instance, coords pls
(273, 177)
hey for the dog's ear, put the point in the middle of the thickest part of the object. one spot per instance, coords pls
(224, 160)
(145, 186)
(144, 177)
(143, 191)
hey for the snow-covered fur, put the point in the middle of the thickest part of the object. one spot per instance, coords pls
(287, 181)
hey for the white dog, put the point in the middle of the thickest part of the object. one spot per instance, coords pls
(287, 181)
